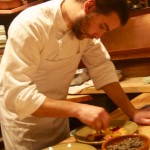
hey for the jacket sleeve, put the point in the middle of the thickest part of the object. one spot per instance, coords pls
(97, 60)
(20, 62)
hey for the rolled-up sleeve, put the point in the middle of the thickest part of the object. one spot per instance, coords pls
(97, 60)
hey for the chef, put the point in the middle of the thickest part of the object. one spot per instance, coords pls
(44, 48)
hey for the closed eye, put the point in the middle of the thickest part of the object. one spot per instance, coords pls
(104, 26)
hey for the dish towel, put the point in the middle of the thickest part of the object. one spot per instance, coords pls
(76, 89)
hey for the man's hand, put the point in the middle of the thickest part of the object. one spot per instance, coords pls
(96, 117)
(142, 116)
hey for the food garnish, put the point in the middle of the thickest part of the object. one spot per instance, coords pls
(106, 134)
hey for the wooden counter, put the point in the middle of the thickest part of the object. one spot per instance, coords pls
(129, 85)
(138, 102)
(79, 98)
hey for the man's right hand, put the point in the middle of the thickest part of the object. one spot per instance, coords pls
(93, 116)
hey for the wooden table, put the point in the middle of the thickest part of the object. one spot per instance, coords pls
(138, 102)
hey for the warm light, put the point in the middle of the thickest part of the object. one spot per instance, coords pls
(69, 145)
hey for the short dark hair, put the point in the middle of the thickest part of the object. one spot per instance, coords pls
(119, 6)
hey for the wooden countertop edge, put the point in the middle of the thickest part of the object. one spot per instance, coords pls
(130, 53)
(79, 98)
(138, 102)
(140, 89)
(129, 85)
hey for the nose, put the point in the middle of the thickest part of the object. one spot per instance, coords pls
(99, 34)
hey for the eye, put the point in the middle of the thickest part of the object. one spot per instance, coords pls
(104, 27)
(101, 27)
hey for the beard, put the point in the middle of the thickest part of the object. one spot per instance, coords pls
(80, 27)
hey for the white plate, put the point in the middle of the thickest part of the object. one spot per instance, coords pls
(71, 146)
(82, 133)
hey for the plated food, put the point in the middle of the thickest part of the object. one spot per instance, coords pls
(116, 128)
(106, 134)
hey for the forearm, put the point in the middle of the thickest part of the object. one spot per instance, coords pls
(94, 116)
(117, 95)
(57, 108)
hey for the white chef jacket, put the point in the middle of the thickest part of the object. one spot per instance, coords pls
(39, 61)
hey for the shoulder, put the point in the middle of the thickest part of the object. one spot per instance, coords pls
(35, 18)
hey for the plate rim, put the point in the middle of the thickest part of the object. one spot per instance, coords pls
(102, 141)
(74, 143)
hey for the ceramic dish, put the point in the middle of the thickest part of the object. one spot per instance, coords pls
(82, 133)
(71, 146)
(136, 141)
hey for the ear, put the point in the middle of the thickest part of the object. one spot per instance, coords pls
(89, 6)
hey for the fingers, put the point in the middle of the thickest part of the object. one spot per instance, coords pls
(97, 124)
(100, 120)
(143, 116)
(101, 123)
(143, 121)
(105, 119)
(96, 117)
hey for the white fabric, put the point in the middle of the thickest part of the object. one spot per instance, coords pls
(40, 61)
(78, 88)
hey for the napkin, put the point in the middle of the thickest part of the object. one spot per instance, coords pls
(78, 88)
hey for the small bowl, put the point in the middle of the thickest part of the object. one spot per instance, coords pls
(117, 140)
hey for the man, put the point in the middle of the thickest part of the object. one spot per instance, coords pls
(45, 45)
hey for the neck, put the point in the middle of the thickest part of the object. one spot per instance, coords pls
(65, 13)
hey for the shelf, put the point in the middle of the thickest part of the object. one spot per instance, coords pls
(20, 8)
(141, 11)
(130, 41)
(126, 54)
